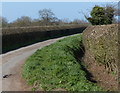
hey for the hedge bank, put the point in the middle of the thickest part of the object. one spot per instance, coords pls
(57, 67)
(101, 45)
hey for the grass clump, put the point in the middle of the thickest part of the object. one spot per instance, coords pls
(55, 66)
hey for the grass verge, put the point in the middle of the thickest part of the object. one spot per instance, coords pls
(55, 66)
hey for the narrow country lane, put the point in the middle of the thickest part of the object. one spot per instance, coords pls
(12, 65)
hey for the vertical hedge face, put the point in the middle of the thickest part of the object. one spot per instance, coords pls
(13, 38)
(101, 42)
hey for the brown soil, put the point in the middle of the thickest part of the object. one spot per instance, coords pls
(105, 80)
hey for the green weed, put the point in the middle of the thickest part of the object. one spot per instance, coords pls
(55, 66)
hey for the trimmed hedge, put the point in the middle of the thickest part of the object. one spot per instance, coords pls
(13, 38)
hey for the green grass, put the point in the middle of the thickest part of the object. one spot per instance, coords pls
(55, 66)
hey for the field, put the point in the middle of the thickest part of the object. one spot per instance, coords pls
(58, 66)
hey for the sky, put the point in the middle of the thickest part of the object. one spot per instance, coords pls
(62, 10)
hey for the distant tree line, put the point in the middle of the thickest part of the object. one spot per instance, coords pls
(99, 16)
(46, 17)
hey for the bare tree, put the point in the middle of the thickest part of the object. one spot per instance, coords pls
(78, 21)
(3, 22)
(46, 15)
(36, 22)
(23, 21)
